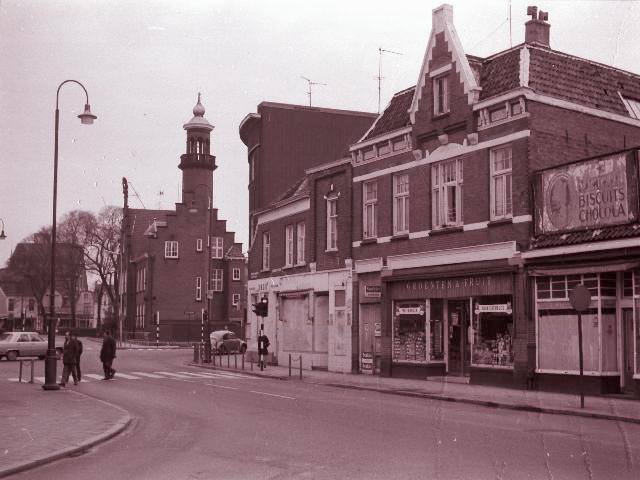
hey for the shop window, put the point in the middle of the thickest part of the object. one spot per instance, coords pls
(409, 333)
(493, 332)
(608, 284)
(436, 330)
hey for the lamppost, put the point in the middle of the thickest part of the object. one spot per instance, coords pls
(2, 235)
(50, 364)
(209, 240)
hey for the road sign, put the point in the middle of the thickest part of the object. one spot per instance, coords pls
(580, 298)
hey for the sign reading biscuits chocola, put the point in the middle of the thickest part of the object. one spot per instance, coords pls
(588, 194)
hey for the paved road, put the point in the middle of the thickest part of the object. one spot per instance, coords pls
(193, 424)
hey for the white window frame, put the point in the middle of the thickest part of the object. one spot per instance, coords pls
(198, 288)
(266, 250)
(288, 245)
(401, 204)
(332, 224)
(171, 249)
(217, 247)
(445, 176)
(217, 276)
(235, 299)
(235, 274)
(440, 95)
(198, 244)
(632, 106)
(504, 176)
(300, 239)
(370, 209)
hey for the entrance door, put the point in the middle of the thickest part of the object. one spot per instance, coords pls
(627, 328)
(459, 352)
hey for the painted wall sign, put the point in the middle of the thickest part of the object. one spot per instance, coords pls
(453, 287)
(372, 291)
(499, 308)
(589, 194)
(409, 310)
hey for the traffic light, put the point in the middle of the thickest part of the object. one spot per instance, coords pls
(261, 308)
(205, 316)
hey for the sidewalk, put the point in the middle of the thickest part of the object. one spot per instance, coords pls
(448, 389)
(36, 424)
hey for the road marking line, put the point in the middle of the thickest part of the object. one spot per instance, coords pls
(222, 386)
(150, 375)
(176, 375)
(93, 375)
(128, 377)
(273, 395)
(198, 375)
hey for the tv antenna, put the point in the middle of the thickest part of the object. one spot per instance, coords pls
(379, 77)
(311, 82)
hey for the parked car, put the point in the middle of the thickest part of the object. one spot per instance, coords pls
(225, 341)
(26, 344)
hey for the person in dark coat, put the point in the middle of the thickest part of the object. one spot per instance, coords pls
(107, 354)
(77, 364)
(69, 357)
(263, 348)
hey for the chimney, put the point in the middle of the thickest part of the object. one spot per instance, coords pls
(537, 29)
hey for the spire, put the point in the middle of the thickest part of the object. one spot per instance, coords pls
(198, 120)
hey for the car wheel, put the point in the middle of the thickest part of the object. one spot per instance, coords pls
(222, 349)
(58, 353)
(243, 348)
(12, 356)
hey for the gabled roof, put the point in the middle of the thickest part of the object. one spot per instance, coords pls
(583, 236)
(394, 116)
(234, 252)
(298, 189)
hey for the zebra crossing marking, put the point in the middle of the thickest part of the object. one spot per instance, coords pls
(89, 377)
(95, 376)
(148, 375)
(176, 375)
(128, 377)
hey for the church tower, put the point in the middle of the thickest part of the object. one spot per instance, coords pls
(197, 164)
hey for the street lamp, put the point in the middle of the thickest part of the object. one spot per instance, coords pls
(86, 118)
(2, 235)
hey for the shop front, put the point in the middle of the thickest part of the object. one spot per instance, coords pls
(457, 326)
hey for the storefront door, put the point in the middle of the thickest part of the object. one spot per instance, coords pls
(627, 328)
(459, 353)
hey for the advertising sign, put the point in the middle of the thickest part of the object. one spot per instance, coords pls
(372, 291)
(582, 195)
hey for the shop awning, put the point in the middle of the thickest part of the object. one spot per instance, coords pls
(585, 268)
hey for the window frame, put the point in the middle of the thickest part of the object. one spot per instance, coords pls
(217, 247)
(401, 199)
(198, 244)
(332, 224)
(266, 250)
(217, 280)
(440, 95)
(507, 174)
(169, 249)
(288, 245)
(440, 194)
(198, 289)
(370, 205)
(300, 239)
(235, 277)
(235, 299)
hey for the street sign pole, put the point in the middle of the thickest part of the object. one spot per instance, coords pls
(580, 299)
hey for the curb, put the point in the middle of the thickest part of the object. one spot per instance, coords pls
(447, 398)
(119, 426)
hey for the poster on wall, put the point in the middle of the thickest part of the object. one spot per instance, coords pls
(587, 194)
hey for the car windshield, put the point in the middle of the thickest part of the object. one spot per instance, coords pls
(4, 337)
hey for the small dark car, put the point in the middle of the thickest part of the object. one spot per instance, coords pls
(225, 341)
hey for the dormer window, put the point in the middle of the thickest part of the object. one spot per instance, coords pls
(632, 106)
(440, 95)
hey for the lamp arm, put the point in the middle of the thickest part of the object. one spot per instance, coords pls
(72, 81)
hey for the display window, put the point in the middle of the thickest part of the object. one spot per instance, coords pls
(409, 332)
(492, 331)
(435, 328)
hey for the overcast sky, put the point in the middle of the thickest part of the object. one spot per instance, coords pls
(144, 62)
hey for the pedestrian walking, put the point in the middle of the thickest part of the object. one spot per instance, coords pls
(107, 354)
(263, 349)
(69, 358)
(74, 336)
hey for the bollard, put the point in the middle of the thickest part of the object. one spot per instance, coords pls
(251, 360)
(243, 362)
(300, 367)
(289, 364)
(228, 360)
(20, 377)
(195, 353)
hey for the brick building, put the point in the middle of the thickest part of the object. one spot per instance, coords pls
(169, 254)
(447, 251)
(298, 161)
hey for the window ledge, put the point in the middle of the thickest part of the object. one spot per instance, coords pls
(442, 231)
(440, 116)
(331, 250)
(301, 264)
(369, 240)
(287, 267)
(171, 258)
(400, 236)
(500, 221)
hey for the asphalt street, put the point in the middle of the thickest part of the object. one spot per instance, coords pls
(191, 423)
